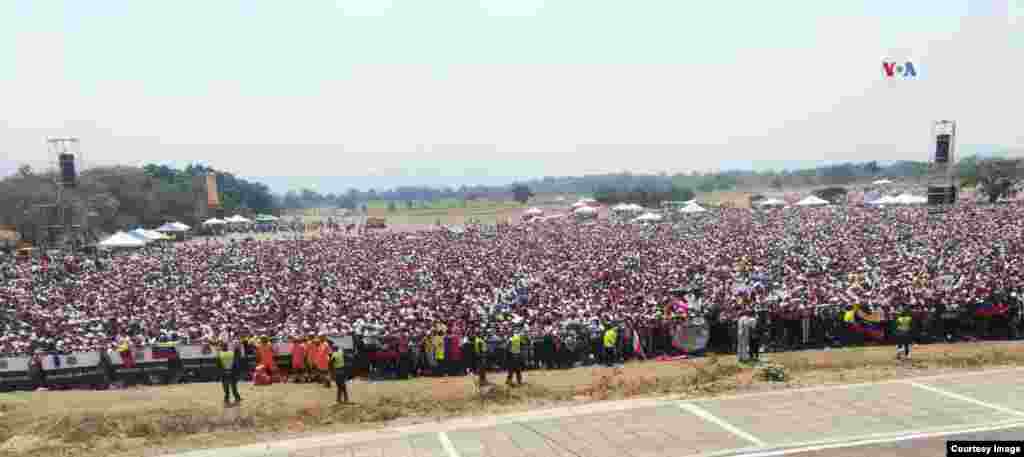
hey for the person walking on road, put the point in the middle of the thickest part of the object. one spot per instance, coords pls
(229, 363)
(904, 327)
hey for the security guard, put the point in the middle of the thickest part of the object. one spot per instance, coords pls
(611, 337)
(340, 378)
(515, 358)
(228, 362)
(480, 357)
(904, 325)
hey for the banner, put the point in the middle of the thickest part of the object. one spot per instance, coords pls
(212, 198)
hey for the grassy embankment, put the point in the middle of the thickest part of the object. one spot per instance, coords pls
(124, 422)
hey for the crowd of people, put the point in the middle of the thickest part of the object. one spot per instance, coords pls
(531, 279)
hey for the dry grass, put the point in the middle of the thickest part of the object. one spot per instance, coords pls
(181, 417)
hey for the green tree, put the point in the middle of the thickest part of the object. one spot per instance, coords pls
(409, 204)
(997, 177)
(391, 206)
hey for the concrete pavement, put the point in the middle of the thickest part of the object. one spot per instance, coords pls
(810, 421)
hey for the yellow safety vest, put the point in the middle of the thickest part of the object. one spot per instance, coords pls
(848, 317)
(478, 344)
(338, 360)
(227, 359)
(903, 323)
(439, 347)
(516, 344)
(609, 338)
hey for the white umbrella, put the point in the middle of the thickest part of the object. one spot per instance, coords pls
(585, 210)
(173, 227)
(214, 221)
(534, 211)
(811, 201)
(237, 219)
(123, 240)
(692, 208)
(882, 182)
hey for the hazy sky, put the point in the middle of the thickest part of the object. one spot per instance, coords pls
(453, 87)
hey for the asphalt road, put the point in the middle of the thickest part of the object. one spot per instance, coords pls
(925, 447)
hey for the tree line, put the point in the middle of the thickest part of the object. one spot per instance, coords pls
(110, 198)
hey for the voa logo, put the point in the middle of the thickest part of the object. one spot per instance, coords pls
(898, 70)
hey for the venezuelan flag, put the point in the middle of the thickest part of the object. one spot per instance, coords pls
(992, 310)
(868, 323)
(164, 352)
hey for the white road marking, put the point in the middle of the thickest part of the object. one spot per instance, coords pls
(703, 414)
(868, 442)
(449, 448)
(965, 398)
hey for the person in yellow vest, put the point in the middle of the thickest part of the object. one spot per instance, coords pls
(515, 358)
(442, 368)
(228, 362)
(480, 358)
(611, 337)
(904, 327)
(340, 377)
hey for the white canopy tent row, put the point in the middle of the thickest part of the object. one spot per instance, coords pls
(811, 200)
(123, 240)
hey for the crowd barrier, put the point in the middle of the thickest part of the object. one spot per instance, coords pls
(77, 368)
(17, 373)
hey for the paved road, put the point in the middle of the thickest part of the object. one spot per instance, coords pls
(903, 418)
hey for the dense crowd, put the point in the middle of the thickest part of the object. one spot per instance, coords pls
(532, 278)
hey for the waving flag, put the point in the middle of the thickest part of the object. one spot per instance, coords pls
(992, 310)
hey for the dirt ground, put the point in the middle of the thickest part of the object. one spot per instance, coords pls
(175, 418)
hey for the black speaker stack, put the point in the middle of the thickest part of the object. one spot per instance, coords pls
(68, 177)
(942, 195)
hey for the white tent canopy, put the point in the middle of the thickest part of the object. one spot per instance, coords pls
(173, 227)
(649, 217)
(882, 182)
(534, 211)
(237, 219)
(908, 199)
(214, 221)
(811, 201)
(585, 210)
(886, 200)
(627, 208)
(692, 208)
(771, 202)
(123, 240)
(147, 234)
